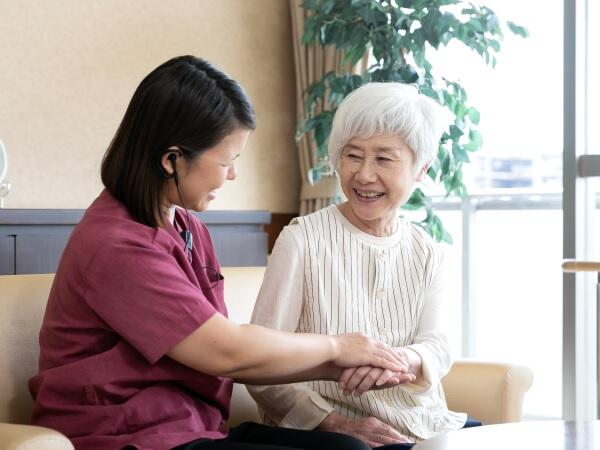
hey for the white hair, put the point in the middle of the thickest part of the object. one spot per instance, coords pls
(392, 109)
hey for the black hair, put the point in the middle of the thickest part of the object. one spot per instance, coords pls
(184, 102)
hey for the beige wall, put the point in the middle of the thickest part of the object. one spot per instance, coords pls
(69, 68)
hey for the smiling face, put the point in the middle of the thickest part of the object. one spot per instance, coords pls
(377, 175)
(200, 178)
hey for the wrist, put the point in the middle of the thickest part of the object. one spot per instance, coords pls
(334, 348)
(331, 422)
(414, 361)
(332, 372)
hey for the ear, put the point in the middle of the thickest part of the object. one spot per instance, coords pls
(167, 162)
(422, 173)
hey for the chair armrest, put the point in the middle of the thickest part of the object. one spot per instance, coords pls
(243, 407)
(492, 392)
(28, 437)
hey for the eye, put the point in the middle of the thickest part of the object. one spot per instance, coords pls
(353, 156)
(383, 159)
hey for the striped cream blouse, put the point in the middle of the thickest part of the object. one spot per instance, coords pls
(326, 276)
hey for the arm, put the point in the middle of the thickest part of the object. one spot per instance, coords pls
(428, 358)
(429, 354)
(279, 306)
(262, 355)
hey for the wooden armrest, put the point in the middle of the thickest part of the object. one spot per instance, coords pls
(28, 437)
(572, 265)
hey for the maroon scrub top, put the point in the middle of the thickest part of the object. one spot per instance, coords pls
(123, 296)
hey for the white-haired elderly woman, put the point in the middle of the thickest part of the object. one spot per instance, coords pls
(358, 266)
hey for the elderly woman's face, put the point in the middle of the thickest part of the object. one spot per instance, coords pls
(377, 176)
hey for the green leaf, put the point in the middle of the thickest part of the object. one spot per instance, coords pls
(459, 153)
(455, 132)
(518, 30)
(474, 115)
(322, 130)
(476, 138)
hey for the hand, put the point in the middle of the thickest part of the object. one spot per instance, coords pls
(370, 430)
(412, 360)
(357, 349)
(361, 379)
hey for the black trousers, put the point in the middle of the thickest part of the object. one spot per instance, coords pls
(250, 435)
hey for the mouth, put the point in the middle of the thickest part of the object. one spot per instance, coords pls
(369, 196)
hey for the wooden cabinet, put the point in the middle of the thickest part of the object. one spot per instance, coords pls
(32, 240)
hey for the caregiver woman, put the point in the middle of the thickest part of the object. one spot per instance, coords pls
(136, 347)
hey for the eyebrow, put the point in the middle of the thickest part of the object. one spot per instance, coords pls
(378, 149)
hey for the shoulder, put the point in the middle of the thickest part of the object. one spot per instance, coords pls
(292, 237)
(324, 217)
(419, 241)
(108, 229)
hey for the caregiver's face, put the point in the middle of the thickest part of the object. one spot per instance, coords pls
(201, 178)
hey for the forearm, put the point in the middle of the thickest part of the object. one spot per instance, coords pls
(256, 354)
(291, 405)
(284, 369)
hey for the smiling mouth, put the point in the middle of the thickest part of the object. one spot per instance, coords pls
(368, 195)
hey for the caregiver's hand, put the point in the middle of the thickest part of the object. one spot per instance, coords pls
(357, 349)
(370, 430)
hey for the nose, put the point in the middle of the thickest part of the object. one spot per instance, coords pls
(231, 173)
(366, 172)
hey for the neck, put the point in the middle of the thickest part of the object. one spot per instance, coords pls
(168, 215)
(381, 227)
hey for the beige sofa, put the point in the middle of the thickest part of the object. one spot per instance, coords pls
(491, 392)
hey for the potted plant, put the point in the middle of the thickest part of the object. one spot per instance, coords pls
(398, 37)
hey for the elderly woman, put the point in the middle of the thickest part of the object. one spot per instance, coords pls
(357, 266)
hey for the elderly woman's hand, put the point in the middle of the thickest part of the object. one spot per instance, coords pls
(361, 379)
(370, 430)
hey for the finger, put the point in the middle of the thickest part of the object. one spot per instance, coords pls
(398, 353)
(383, 438)
(402, 355)
(387, 440)
(346, 375)
(384, 377)
(406, 378)
(385, 432)
(392, 382)
(357, 377)
(368, 381)
(387, 359)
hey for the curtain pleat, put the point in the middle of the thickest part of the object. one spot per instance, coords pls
(311, 63)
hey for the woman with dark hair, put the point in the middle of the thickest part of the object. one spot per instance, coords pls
(136, 347)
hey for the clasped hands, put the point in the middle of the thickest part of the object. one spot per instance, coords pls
(357, 380)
